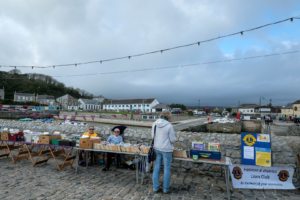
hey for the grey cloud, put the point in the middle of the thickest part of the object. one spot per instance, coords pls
(57, 32)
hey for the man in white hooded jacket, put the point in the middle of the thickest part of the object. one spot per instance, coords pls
(164, 139)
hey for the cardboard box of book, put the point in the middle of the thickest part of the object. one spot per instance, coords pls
(87, 143)
(179, 153)
(46, 139)
(4, 135)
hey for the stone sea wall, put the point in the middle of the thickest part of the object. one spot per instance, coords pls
(293, 131)
(18, 115)
(116, 116)
(282, 153)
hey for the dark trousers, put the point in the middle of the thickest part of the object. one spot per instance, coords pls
(93, 156)
(80, 155)
(109, 159)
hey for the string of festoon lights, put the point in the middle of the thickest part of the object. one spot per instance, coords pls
(158, 51)
(186, 65)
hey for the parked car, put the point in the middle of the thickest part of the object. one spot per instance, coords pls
(297, 120)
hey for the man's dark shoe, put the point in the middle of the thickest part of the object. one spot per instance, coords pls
(105, 169)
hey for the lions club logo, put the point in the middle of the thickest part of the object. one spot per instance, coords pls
(283, 175)
(249, 140)
(237, 172)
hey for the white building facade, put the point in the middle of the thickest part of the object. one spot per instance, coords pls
(67, 102)
(247, 110)
(88, 104)
(24, 97)
(144, 105)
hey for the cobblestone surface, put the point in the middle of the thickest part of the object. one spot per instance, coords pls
(22, 181)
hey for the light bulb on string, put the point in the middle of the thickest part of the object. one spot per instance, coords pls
(128, 57)
(291, 19)
(15, 67)
(100, 61)
(53, 66)
(161, 51)
(198, 43)
(32, 67)
(242, 33)
(75, 65)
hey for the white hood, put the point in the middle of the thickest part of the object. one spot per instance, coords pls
(164, 136)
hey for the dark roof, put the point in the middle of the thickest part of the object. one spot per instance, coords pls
(162, 105)
(89, 101)
(24, 94)
(273, 109)
(248, 105)
(297, 102)
(129, 101)
(45, 97)
(100, 96)
(65, 97)
(288, 106)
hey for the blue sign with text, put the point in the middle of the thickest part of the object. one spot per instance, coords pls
(250, 142)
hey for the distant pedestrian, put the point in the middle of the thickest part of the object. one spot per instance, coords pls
(164, 139)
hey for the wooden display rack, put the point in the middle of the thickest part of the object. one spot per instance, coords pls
(3, 147)
(26, 153)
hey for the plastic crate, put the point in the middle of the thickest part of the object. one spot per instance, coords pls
(55, 141)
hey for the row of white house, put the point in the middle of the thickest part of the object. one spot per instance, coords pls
(97, 103)
(144, 105)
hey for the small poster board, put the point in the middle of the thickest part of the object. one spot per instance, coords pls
(256, 149)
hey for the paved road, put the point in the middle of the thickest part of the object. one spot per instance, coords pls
(22, 181)
(191, 122)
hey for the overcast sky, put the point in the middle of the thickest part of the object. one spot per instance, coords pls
(55, 32)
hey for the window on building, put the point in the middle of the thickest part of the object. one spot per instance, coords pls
(147, 105)
(134, 105)
(47, 100)
(127, 105)
(251, 110)
(18, 97)
(26, 98)
(139, 105)
(30, 98)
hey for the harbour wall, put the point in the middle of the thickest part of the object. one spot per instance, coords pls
(18, 115)
(98, 115)
(285, 150)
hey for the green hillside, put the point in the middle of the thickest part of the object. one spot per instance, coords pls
(36, 83)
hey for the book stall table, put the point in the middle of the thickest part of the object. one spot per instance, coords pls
(10, 145)
(68, 161)
(3, 147)
(224, 161)
(107, 151)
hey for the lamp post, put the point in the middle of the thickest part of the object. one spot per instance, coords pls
(270, 108)
(199, 104)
